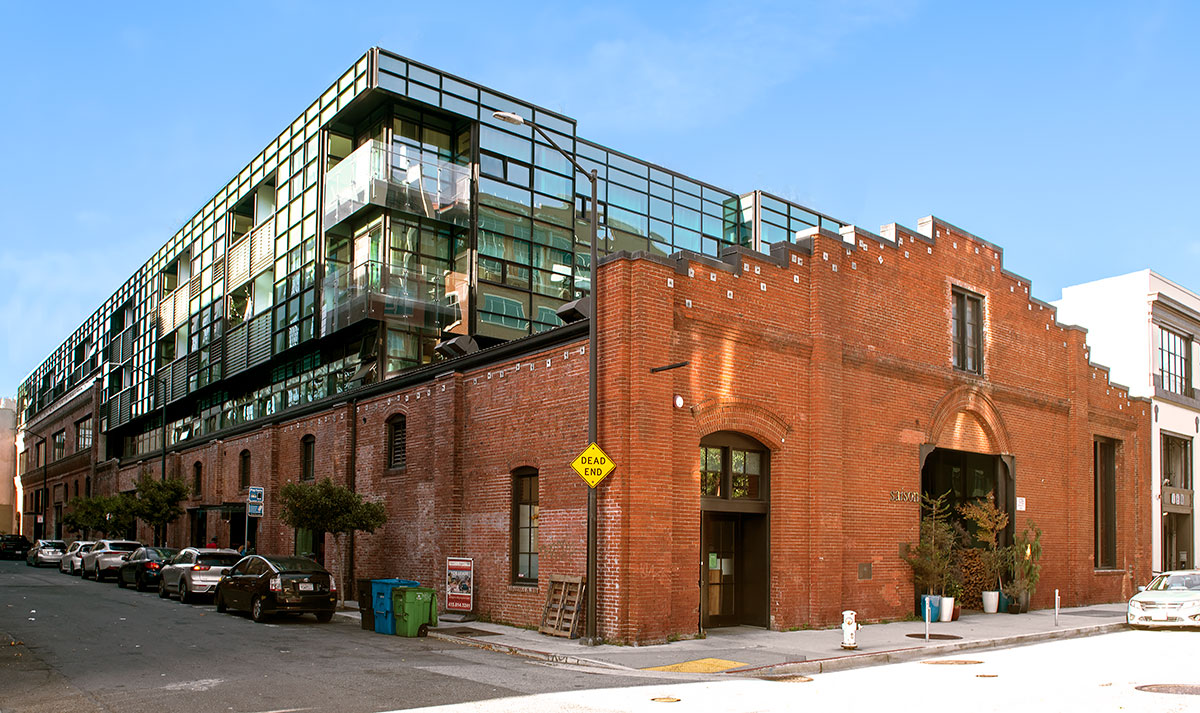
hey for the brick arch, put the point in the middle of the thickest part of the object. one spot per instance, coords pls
(720, 414)
(967, 420)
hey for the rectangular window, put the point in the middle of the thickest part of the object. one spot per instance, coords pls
(968, 332)
(244, 470)
(710, 471)
(308, 457)
(745, 468)
(1174, 361)
(525, 526)
(1104, 469)
(1176, 462)
(83, 434)
(59, 441)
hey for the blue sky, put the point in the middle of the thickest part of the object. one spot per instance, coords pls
(1064, 132)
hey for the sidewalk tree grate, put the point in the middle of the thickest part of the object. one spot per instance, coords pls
(1179, 689)
(932, 637)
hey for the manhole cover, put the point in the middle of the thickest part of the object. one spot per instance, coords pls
(939, 637)
(1182, 689)
(665, 699)
(469, 632)
(985, 675)
(952, 662)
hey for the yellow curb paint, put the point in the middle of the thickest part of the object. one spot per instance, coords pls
(698, 666)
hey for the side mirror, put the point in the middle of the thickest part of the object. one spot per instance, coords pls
(124, 558)
(1141, 587)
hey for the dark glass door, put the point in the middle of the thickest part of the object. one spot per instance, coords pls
(733, 569)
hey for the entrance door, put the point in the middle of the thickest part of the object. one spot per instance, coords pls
(733, 570)
(199, 527)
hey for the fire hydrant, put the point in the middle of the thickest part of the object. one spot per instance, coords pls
(849, 627)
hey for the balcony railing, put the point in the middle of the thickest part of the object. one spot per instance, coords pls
(375, 290)
(375, 174)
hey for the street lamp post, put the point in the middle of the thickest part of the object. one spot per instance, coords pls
(41, 531)
(594, 287)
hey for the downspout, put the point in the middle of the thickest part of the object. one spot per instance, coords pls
(351, 470)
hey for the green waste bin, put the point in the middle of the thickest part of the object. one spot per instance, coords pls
(416, 610)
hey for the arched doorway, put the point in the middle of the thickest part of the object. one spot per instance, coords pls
(734, 530)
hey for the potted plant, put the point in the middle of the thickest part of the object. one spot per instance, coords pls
(931, 559)
(950, 605)
(1023, 556)
(989, 522)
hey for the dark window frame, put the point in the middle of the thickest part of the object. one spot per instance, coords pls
(729, 444)
(83, 433)
(1175, 361)
(1104, 472)
(244, 469)
(397, 442)
(524, 537)
(966, 330)
(308, 457)
(197, 479)
(1168, 444)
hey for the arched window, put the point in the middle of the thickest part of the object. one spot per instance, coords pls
(196, 471)
(525, 526)
(308, 457)
(397, 441)
(244, 470)
(733, 467)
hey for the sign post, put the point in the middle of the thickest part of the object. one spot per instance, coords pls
(254, 508)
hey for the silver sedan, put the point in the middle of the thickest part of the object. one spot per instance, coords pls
(195, 571)
(73, 557)
(1172, 599)
(45, 552)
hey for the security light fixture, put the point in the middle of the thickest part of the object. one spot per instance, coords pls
(509, 117)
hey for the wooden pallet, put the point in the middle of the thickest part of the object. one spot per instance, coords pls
(563, 611)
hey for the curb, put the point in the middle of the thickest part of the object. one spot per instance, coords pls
(846, 663)
(527, 653)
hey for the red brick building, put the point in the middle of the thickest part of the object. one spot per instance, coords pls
(813, 392)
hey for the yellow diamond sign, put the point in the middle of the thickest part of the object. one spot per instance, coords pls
(592, 465)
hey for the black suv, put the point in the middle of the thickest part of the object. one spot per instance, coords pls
(14, 547)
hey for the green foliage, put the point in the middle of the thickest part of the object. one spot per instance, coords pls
(932, 560)
(1024, 556)
(158, 502)
(326, 507)
(989, 522)
(104, 514)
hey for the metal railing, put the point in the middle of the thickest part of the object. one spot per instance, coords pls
(392, 292)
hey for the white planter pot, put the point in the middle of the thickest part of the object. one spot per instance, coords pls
(991, 602)
(947, 609)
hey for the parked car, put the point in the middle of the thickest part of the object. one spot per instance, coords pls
(1171, 599)
(46, 552)
(104, 557)
(195, 571)
(14, 547)
(73, 557)
(266, 584)
(142, 567)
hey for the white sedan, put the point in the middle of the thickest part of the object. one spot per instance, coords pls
(1171, 599)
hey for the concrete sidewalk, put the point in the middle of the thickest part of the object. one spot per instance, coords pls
(750, 651)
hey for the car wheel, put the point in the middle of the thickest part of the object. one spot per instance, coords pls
(162, 589)
(183, 591)
(139, 583)
(120, 580)
(257, 613)
(96, 572)
(423, 630)
(83, 571)
(220, 602)
(324, 616)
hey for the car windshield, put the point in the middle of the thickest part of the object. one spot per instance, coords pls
(295, 564)
(123, 546)
(218, 560)
(157, 553)
(1175, 582)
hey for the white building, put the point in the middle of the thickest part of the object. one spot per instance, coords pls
(8, 466)
(1145, 328)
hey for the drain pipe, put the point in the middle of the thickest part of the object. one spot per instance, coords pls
(351, 481)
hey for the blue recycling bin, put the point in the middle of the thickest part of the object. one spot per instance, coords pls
(381, 603)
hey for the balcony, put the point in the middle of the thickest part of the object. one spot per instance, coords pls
(375, 174)
(375, 290)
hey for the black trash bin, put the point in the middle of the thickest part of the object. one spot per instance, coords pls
(366, 610)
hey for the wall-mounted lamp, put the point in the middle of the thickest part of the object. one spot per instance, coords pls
(678, 401)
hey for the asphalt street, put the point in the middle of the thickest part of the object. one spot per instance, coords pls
(82, 646)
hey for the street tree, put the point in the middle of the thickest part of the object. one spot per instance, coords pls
(326, 507)
(104, 514)
(158, 503)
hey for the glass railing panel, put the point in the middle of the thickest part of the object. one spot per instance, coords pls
(415, 296)
(375, 174)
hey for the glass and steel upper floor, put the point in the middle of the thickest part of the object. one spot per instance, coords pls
(395, 198)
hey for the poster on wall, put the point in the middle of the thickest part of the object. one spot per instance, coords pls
(460, 584)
